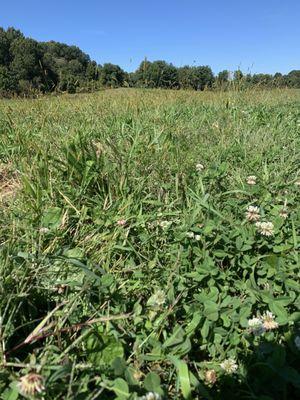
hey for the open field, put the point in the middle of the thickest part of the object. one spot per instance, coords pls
(129, 271)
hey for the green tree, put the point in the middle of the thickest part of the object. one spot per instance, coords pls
(157, 74)
(293, 79)
(111, 75)
(223, 76)
(197, 78)
(92, 71)
(26, 62)
(8, 83)
(238, 75)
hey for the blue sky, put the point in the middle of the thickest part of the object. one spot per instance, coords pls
(256, 35)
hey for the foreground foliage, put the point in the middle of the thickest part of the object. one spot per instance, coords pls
(150, 246)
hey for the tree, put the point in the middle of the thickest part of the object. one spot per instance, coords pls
(293, 79)
(205, 77)
(8, 83)
(92, 72)
(238, 75)
(111, 75)
(157, 74)
(197, 78)
(279, 80)
(26, 59)
(223, 76)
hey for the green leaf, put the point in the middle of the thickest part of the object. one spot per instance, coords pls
(245, 312)
(290, 283)
(102, 349)
(290, 375)
(152, 383)
(52, 218)
(211, 310)
(121, 388)
(11, 393)
(183, 376)
(76, 253)
(176, 337)
(280, 312)
(192, 326)
(205, 329)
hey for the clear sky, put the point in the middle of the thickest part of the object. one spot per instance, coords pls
(254, 35)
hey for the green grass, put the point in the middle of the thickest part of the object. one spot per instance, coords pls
(105, 310)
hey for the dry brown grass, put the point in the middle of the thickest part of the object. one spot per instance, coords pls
(9, 182)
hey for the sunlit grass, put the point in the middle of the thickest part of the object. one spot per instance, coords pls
(140, 267)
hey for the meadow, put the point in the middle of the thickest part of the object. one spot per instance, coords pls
(149, 245)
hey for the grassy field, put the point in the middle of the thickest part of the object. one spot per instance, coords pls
(133, 262)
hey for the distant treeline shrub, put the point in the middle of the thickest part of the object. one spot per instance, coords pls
(28, 67)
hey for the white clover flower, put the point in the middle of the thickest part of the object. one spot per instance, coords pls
(256, 326)
(215, 125)
(165, 224)
(157, 299)
(31, 384)
(297, 342)
(251, 180)
(266, 286)
(211, 376)
(229, 366)
(197, 237)
(268, 321)
(121, 222)
(190, 235)
(265, 228)
(252, 213)
(199, 167)
(44, 230)
(284, 213)
(151, 396)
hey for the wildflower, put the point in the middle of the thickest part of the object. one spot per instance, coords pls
(165, 224)
(252, 213)
(60, 288)
(199, 167)
(197, 237)
(190, 235)
(157, 299)
(283, 213)
(121, 222)
(265, 228)
(251, 180)
(44, 230)
(266, 286)
(31, 384)
(256, 326)
(268, 321)
(215, 125)
(151, 396)
(297, 183)
(211, 376)
(229, 366)
(297, 342)
(137, 374)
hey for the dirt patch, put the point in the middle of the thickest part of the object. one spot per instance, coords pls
(9, 182)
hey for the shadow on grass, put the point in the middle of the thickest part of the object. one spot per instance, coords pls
(271, 372)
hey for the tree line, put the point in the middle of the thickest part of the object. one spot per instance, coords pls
(28, 66)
